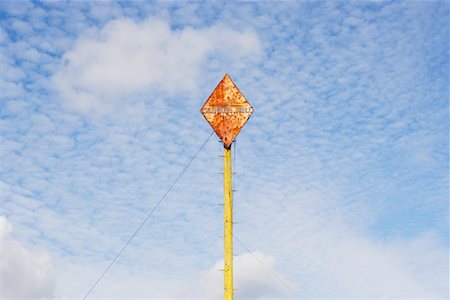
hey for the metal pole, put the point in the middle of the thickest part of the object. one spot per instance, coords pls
(228, 225)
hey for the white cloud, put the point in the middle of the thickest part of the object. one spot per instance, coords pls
(24, 273)
(360, 267)
(3, 36)
(252, 279)
(327, 253)
(127, 57)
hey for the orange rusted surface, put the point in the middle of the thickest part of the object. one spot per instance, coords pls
(226, 110)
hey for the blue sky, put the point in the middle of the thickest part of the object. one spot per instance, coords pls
(342, 171)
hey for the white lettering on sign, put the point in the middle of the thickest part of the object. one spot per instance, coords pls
(227, 109)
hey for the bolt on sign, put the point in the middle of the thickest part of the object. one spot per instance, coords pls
(226, 110)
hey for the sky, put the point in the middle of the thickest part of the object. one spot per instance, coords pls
(342, 172)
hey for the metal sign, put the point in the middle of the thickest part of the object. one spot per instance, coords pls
(226, 110)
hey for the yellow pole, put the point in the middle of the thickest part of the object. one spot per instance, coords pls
(228, 225)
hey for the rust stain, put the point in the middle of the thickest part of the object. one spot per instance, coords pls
(226, 110)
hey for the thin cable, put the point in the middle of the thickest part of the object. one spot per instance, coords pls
(251, 252)
(267, 267)
(147, 217)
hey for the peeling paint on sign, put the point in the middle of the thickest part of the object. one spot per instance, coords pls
(226, 110)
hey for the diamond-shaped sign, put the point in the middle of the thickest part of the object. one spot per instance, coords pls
(226, 110)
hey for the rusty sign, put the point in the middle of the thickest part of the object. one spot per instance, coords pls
(226, 110)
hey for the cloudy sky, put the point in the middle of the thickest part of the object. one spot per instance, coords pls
(342, 171)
